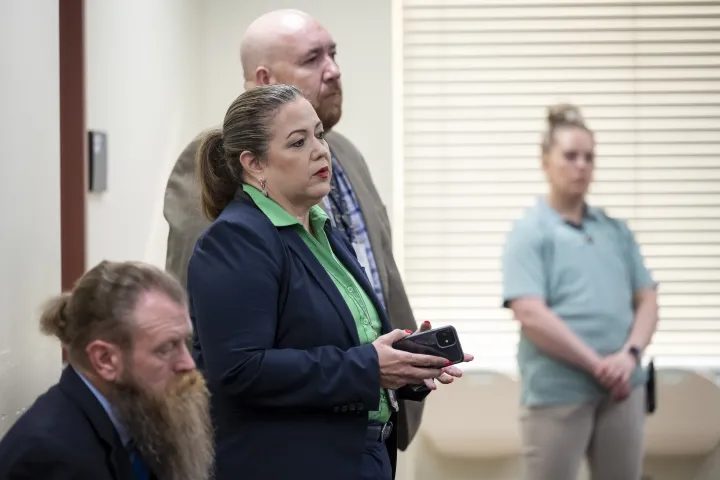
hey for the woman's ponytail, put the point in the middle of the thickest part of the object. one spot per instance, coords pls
(219, 182)
(246, 128)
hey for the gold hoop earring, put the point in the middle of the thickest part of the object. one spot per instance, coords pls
(263, 186)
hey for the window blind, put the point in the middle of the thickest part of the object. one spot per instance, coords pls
(477, 78)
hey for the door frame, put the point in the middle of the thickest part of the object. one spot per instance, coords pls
(73, 141)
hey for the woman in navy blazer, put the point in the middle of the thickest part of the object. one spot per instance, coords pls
(296, 348)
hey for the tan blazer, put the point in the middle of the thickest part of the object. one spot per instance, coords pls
(183, 213)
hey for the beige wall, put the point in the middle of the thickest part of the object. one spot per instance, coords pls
(29, 199)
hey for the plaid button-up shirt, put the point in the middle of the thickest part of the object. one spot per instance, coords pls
(347, 217)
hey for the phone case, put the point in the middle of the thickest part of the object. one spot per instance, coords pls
(440, 342)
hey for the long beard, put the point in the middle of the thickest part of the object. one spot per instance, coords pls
(172, 430)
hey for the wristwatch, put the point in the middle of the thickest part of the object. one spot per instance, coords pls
(636, 353)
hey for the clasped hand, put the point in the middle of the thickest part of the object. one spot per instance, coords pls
(399, 368)
(614, 371)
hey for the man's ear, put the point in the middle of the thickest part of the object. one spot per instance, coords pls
(106, 360)
(262, 76)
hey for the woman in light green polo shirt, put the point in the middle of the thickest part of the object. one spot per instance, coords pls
(575, 280)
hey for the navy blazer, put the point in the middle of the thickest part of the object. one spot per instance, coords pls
(65, 435)
(291, 385)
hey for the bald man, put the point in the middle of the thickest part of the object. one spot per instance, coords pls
(291, 47)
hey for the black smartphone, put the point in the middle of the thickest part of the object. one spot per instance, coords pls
(650, 397)
(440, 342)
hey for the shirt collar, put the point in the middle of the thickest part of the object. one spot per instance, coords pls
(122, 431)
(278, 215)
(546, 210)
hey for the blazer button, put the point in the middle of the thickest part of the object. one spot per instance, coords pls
(344, 408)
(351, 407)
(360, 406)
(336, 409)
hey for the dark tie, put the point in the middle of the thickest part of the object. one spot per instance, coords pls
(139, 467)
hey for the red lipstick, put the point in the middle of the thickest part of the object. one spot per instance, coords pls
(323, 173)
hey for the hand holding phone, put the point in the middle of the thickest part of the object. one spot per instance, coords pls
(439, 342)
(399, 368)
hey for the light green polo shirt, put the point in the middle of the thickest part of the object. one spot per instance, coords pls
(367, 320)
(587, 275)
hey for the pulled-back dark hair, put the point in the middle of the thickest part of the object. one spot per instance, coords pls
(246, 128)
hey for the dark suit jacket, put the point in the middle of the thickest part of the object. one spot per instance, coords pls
(65, 435)
(183, 213)
(291, 385)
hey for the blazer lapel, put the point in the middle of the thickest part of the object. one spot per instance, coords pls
(75, 388)
(296, 244)
(351, 162)
(356, 271)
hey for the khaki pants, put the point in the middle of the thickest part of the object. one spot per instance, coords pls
(557, 438)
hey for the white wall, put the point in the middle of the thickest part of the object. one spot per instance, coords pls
(141, 81)
(29, 199)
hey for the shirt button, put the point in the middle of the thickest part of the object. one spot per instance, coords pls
(351, 289)
(366, 321)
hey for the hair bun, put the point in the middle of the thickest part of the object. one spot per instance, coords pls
(563, 114)
(53, 320)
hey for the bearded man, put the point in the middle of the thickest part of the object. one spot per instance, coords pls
(130, 404)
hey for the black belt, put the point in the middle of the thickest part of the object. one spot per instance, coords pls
(379, 432)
